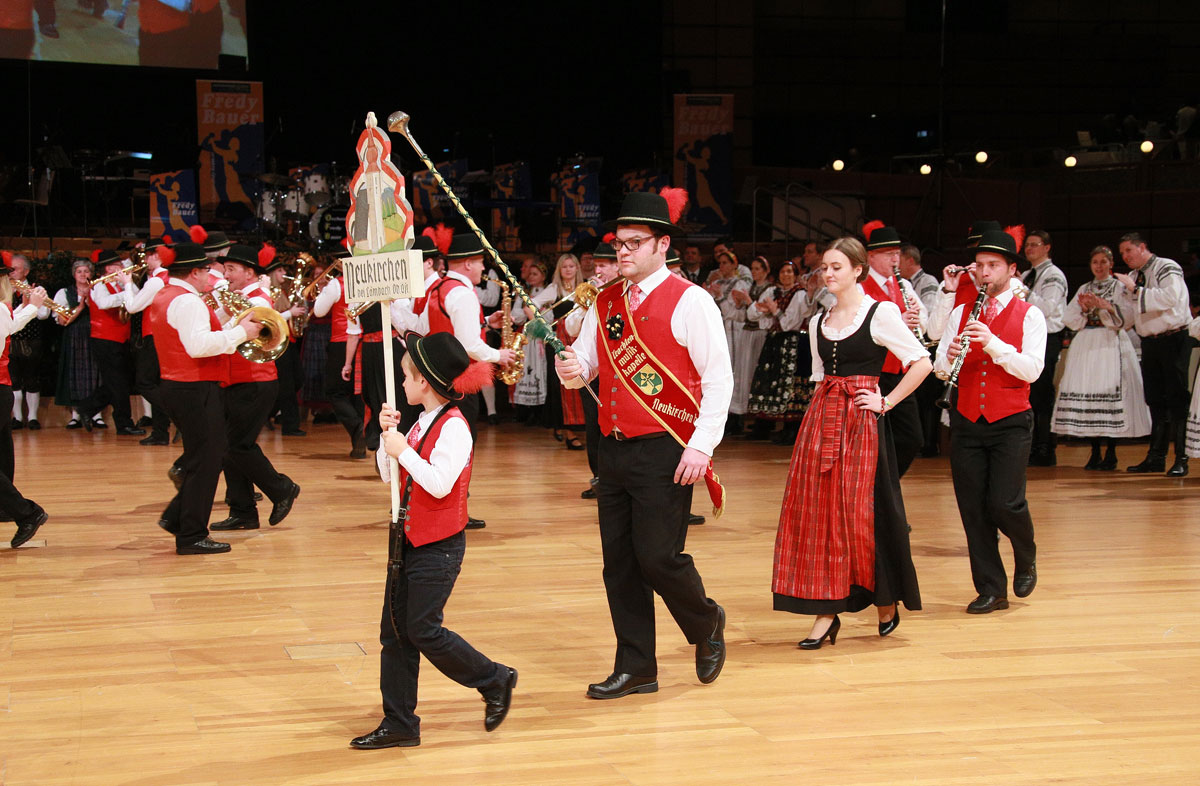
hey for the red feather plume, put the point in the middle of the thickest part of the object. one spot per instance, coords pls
(95, 256)
(677, 199)
(442, 235)
(168, 240)
(7, 256)
(266, 254)
(199, 234)
(1018, 234)
(477, 377)
(870, 227)
(609, 237)
(166, 255)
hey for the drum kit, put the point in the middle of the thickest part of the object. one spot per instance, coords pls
(308, 207)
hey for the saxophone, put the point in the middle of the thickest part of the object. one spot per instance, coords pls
(510, 375)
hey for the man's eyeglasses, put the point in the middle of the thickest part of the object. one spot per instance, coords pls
(633, 243)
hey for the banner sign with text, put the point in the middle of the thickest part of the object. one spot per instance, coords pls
(229, 129)
(173, 204)
(704, 161)
(390, 275)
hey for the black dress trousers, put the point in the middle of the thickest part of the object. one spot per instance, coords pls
(591, 422)
(347, 406)
(247, 406)
(290, 376)
(12, 503)
(116, 381)
(374, 390)
(643, 529)
(146, 384)
(987, 463)
(197, 410)
(905, 420)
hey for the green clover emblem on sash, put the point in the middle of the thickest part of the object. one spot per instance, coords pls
(648, 380)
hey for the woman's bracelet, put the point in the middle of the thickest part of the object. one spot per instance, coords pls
(885, 405)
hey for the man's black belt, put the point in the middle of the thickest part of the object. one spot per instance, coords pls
(619, 437)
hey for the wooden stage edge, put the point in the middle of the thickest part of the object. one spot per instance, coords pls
(124, 664)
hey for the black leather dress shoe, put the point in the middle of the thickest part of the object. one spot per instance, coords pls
(33, 425)
(384, 738)
(1024, 582)
(475, 523)
(710, 653)
(283, 507)
(1042, 458)
(497, 704)
(295, 432)
(233, 522)
(17, 425)
(155, 439)
(1179, 469)
(27, 528)
(695, 519)
(204, 546)
(166, 525)
(175, 473)
(1149, 464)
(588, 493)
(986, 604)
(619, 684)
(144, 422)
(131, 431)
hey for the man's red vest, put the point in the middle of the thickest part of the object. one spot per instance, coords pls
(983, 387)
(241, 370)
(618, 408)
(337, 314)
(174, 362)
(105, 323)
(160, 274)
(431, 519)
(5, 379)
(439, 315)
(891, 364)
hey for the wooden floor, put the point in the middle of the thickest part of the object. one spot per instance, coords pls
(121, 663)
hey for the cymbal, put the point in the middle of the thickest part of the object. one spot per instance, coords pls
(273, 179)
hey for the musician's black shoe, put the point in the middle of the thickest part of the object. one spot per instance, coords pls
(1150, 464)
(233, 522)
(498, 700)
(359, 452)
(28, 527)
(33, 425)
(17, 425)
(175, 473)
(284, 506)
(295, 432)
(986, 604)
(130, 431)
(695, 519)
(383, 737)
(493, 420)
(144, 422)
(1024, 582)
(203, 546)
(155, 439)
(1043, 458)
(1179, 469)
(588, 493)
(619, 684)
(710, 653)
(475, 523)
(166, 525)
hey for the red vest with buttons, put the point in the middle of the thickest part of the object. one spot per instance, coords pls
(439, 315)
(618, 408)
(432, 519)
(5, 379)
(891, 364)
(174, 362)
(983, 387)
(337, 314)
(105, 322)
(239, 369)
(161, 275)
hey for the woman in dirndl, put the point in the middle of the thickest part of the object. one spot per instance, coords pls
(78, 376)
(1100, 393)
(564, 404)
(780, 389)
(529, 394)
(842, 543)
(1193, 421)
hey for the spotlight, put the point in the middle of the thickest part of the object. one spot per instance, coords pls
(1070, 161)
(1147, 146)
(926, 169)
(981, 157)
(839, 165)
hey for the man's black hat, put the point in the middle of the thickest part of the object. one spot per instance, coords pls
(997, 241)
(465, 245)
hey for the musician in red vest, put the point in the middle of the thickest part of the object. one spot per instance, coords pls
(146, 375)
(109, 343)
(27, 514)
(882, 284)
(344, 335)
(191, 355)
(427, 544)
(657, 343)
(291, 372)
(991, 426)
(250, 391)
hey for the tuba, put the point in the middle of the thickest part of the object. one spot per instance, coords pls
(271, 342)
(509, 339)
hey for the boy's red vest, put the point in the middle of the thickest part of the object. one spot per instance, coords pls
(431, 519)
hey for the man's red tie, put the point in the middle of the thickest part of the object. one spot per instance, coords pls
(635, 298)
(414, 435)
(991, 310)
(894, 293)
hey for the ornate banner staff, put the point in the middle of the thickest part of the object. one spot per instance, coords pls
(534, 328)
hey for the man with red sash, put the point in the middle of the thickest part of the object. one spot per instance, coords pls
(991, 428)
(191, 348)
(344, 335)
(882, 284)
(109, 337)
(250, 391)
(146, 375)
(657, 343)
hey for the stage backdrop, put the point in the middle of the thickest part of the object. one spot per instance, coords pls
(704, 160)
(510, 183)
(576, 189)
(429, 202)
(229, 128)
(644, 180)
(173, 204)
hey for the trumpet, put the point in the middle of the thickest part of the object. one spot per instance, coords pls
(311, 288)
(133, 269)
(353, 312)
(271, 342)
(62, 311)
(584, 296)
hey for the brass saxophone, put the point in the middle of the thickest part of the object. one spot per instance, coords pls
(510, 375)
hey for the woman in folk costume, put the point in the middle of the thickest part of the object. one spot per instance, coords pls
(750, 338)
(565, 407)
(1100, 393)
(530, 391)
(729, 288)
(78, 375)
(1193, 421)
(781, 389)
(842, 543)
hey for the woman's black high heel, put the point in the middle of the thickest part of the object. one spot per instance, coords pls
(887, 627)
(830, 633)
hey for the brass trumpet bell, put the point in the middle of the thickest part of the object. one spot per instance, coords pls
(271, 342)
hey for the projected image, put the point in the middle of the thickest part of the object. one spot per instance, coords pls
(165, 33)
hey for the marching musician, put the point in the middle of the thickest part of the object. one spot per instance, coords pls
(25, 354)
(1047, 286)
(991, 426)
(339, 358)
(926, 286)
(146, 374)
(191, 347)
(27, 514)
(605, 258)
(288, 364)
(965, 291)
(109, 337)
(250, 392)
(646, 472)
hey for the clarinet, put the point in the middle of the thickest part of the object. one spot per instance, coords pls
(965, 341)
(909, 305)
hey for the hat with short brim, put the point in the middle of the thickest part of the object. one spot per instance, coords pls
(997, 241)
(465, 245)
(441, 359)
(979, 227)
(661, 212)
(182, 257)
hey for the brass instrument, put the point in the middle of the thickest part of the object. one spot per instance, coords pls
(271, 342)
(295, 294)
(353, 312)
(965, 344)
(584, 296)
(509, 339)
(62, 311)
(310, 290)
(139, 265)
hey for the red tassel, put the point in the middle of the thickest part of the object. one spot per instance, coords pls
(477, 377)
(677, 199)
(610, 237)
(95, 256)
(870, 227)
(1018, 234)
(266, 254)
(166, 254)
(199, 234)
(7, 256)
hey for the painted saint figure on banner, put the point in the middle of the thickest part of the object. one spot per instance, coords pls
(380, 217)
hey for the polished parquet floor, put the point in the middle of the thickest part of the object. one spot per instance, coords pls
(122, 663)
